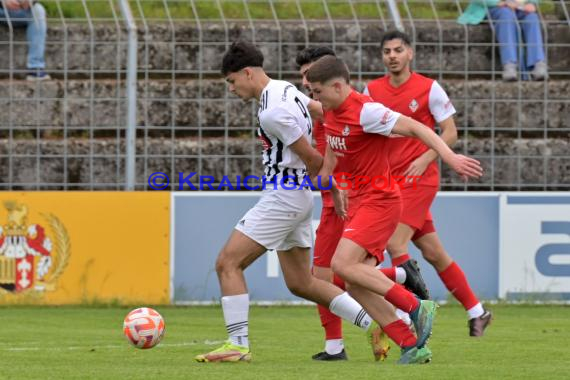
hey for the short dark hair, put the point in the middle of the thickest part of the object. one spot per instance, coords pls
(241, 54)
(311, 54)
(327, 68)
(395, 35)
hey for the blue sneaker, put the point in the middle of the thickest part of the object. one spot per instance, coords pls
(37, 76)
(414, 355)
(423, 321)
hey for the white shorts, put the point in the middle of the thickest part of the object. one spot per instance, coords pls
(280, 220)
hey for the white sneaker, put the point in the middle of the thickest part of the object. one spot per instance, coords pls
(510, 72)
(540, 71)
(37, 76)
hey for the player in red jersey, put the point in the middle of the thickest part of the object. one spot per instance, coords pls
(424, 100)
(328, 234)
(357, 130)
(329, 230)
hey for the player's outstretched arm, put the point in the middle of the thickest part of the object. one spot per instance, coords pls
(464, 166)
(448, 135)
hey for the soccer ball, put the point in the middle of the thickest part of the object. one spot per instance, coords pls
(144, 327)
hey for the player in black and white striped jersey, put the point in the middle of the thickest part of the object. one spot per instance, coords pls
(281, 219)
(283, 119)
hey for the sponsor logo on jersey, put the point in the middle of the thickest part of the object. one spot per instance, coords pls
(414, 105)
(346, 130)
(287, 88)
(336, 143)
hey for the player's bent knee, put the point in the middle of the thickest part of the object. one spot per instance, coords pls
(335, 265)
(430, 256)
(325, 275)
(434, 256)
(395, 247)
(296, 290)
(221, 265)
(339, 267)
(297, 287)
(225, 263)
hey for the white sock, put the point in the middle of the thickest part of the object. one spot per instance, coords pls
(404, 316)
(348, 309)
(236, 310)
(334, 346)
(400, 275)
(476, 311)
(400, 272)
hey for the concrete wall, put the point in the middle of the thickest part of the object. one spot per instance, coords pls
(79, 49)
(523, 125)
(164, 103)
(69, 161)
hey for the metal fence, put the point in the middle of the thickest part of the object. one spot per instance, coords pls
(72, 132)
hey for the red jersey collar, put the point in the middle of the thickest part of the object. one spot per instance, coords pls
(403, 85)
(345, 105)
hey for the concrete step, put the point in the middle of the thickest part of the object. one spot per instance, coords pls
(483, 106)
(99, 163)
(442, 47)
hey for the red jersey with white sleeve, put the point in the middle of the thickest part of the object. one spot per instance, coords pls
(422, 99)
(357, 131)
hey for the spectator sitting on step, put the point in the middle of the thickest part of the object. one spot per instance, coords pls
(31, 15)
(504, 15)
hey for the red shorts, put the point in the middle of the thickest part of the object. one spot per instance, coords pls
(328, 234)
(427, 228)
(416, 203)
(372, 226)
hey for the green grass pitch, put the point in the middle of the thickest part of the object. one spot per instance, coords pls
(523, 342)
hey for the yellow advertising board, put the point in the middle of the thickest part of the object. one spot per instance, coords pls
(84, 247)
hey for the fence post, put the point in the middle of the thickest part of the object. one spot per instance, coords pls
(395, 13)
(131, 92)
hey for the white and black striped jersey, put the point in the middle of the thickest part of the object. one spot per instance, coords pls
(283, 119)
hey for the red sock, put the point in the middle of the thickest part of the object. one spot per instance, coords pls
(400, 259)
(402, 299)
(456, 282)
(390, 273)
(400, 333)
(338, 281)
(331, 323)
